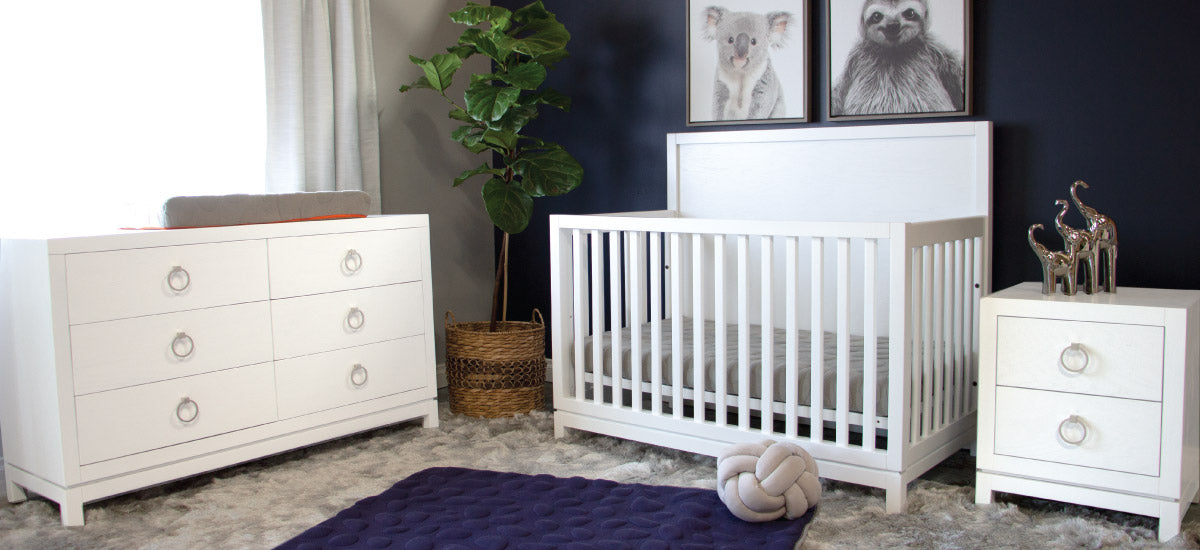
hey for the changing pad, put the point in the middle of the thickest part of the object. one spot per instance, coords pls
(218, 210)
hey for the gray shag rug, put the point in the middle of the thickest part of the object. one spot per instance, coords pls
(263, 503)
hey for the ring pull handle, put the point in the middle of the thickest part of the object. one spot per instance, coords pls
(358, 375)
(183, 345)
(1071, 357)
(1064, 430)
(352, 262)
(356, 318)
(187, 411)
(179, 279)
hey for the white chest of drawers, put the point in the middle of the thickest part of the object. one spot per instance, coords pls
(1092, 399)
(136, 358)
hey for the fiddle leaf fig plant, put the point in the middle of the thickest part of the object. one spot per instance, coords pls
(522, 45)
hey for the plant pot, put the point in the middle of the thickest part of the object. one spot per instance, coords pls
(495, 374)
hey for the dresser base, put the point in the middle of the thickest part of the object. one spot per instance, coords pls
(72, 498)
(1169, 512)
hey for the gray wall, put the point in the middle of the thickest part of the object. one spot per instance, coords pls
(419, 160)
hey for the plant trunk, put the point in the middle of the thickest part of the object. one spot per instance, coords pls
(500, 287)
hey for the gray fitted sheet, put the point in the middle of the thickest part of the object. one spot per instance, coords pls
(732, 349)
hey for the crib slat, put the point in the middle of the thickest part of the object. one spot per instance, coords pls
(767, 333)
(816, 368)
(627, 280)
(615, 315)
(791, 346)
(637, 308)
(676, 325)
(842, 416)
(597, 317)
(938, 314)
(656, 281)
(927, 347)
(975, 264)
(954, 349)
(698, 328)
(721, 370)
(918, 285)
(743, 333)
(870, 341)
(578, 292)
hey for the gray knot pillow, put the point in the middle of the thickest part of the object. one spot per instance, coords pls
(768, 480)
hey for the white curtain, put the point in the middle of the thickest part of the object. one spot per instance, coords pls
(322, 125)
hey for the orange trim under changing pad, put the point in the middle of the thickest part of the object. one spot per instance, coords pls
(312, 219)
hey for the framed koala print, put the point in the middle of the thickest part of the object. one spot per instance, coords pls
(898, 58)
(747, 62)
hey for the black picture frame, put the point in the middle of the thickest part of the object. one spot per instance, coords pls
(925, 41)
(784, 26)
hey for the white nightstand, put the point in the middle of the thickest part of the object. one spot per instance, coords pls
(1091, 399)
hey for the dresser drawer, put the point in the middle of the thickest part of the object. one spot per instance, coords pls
(328, 380)
(122, 422)
(325, 322)
(140, 350)
(325, 263)
(102, 286)
(1113, 359)
(1121, 434)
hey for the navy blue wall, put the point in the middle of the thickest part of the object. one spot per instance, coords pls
(1108, 93)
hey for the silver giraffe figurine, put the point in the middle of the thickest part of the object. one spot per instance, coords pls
(1079, 243)
(1055, 265)
(1104, 236)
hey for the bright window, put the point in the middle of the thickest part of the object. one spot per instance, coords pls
(112, 107)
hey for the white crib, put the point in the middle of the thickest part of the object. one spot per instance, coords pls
(860, 249)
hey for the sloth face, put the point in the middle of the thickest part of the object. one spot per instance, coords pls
(893, 22)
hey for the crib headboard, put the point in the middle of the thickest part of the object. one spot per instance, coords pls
(897, 173)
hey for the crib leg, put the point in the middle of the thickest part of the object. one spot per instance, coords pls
(895, 495)
(560, 431)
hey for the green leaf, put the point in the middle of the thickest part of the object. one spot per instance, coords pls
(549, 172)
(489, 103)
(474, 14)
(418, 83)
(526, 76)
(461, 115)
(509, 207)
(547, 38)
(532, 12)
(515, 119)
(482, 169)
(500, 139)
(439, 70)
(491, 44)
(471, 138)
(549, 97)
(462, 51)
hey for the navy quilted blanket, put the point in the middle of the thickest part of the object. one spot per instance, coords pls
(455, 508)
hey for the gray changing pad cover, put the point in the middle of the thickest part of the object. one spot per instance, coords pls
(218, 210)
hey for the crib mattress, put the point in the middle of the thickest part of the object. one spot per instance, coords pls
(804, 342)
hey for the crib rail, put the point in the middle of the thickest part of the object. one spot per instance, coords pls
(914, 286)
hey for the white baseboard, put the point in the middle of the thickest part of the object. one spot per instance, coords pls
(443, 382)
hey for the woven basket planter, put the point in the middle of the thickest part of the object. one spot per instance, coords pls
(494, 374)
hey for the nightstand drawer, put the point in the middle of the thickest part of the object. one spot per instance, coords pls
(344, 261)
(325, 322)
(140, 418)
(103, 286)
(1097, 432)
(328, 380)
(141, 350)
(1112, 359)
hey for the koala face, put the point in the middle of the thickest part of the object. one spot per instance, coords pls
(743, 38)
(893, 22)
